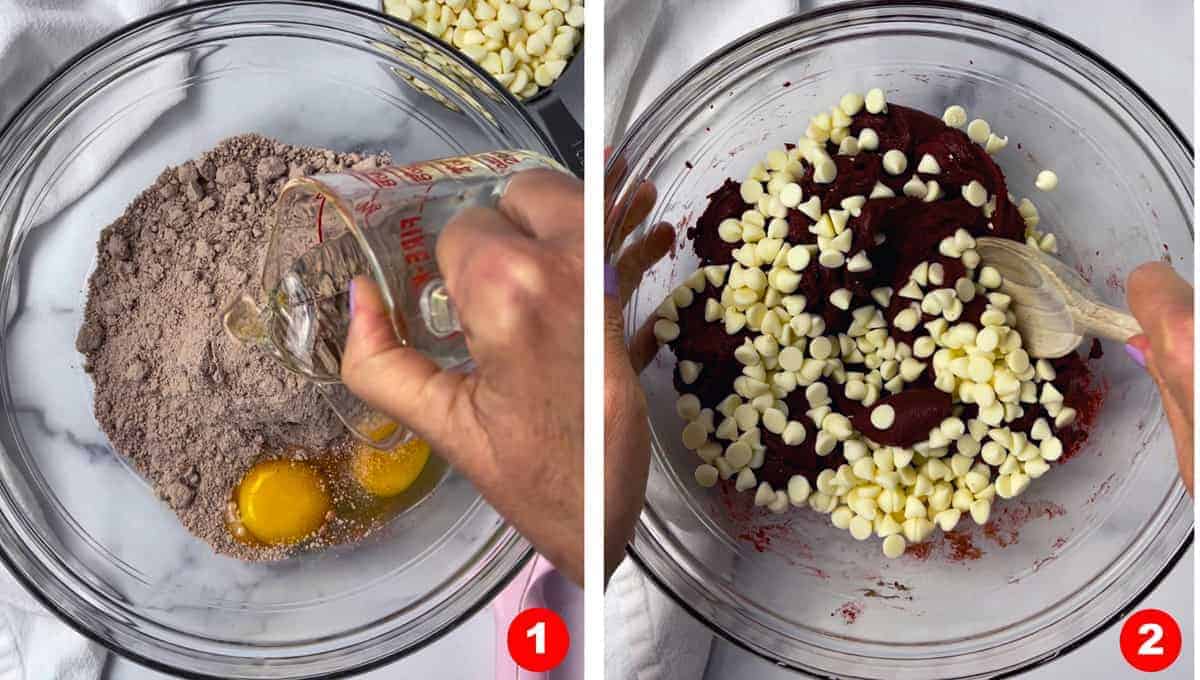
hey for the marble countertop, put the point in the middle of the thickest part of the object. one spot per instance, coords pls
(1165, 72)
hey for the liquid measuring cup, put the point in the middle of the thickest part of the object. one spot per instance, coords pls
(327, 229)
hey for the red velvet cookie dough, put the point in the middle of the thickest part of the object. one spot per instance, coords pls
(908, 254)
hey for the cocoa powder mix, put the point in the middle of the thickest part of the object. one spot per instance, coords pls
(191, 408)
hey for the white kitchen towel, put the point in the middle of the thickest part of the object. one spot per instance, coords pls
(627, 29)
(647, 635)
(36, 38)
(34, 645)
(647, 46)
(39, 36)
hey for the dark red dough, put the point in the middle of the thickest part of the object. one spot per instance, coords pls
(709, 345)
(783, 462)
(917, 412)
(911, 230)
(723, 203)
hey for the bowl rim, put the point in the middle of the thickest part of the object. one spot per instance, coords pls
(893, 7)
(97, 47)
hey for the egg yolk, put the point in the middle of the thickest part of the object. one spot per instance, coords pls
(390, 472)
(282, 501)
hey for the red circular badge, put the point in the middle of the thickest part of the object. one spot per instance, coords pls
(538, 640)
(1151, 640)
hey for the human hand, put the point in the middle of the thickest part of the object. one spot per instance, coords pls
(626, 425)
(1162, 303)
(514, 425)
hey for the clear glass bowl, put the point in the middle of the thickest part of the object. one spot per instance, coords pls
(1086, 541)
(79, 529)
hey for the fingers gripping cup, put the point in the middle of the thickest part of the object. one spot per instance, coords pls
(383, 223)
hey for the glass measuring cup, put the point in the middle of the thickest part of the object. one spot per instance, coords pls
(383, 223)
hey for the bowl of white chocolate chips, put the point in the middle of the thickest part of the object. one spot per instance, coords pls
(526, 45)
(859, 469)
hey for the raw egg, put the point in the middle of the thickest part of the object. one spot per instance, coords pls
(390, 472)
(281, 502)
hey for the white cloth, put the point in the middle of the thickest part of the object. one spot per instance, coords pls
(627, 30)
(35, 645)
(647, 46)
(36, 38)
(648, 636)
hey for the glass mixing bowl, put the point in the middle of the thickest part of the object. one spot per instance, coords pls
(78, 528)
(1086, 541)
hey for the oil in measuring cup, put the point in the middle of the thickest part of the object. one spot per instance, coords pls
(383, 223)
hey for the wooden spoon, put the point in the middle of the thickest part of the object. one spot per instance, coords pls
(1054, 306)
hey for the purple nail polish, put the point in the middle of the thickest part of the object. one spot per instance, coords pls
(352, 296)
(612, 286)
(1136, 354)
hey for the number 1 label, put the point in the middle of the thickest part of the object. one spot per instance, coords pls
(538, 633)
(538, 640)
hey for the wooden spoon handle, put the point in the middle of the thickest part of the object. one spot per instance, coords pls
(1096, 318)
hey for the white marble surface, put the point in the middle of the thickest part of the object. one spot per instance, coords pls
(684, 35)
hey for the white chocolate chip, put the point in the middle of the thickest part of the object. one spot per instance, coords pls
(751, 191)
(831, 259)
(730, 230)
(915, 188)
(1050, 394)
(859, 263)
(868, 139)
(774, 420)
(933, 191)
(688, 407)
(955, 116)
(1046, 180)
(894, 546)
(851, 103)
(764, 495)
(794, 433)
(713, 311)
(895, 162)
(1051, 449)
(875, 101)
(824, 171)
(666, 330)
(840, 298)
(975, 194)
(882, 190)
(929, 165)
(706, 475)
(695, 435)
(995, 143)
(811, 208)
(978, 130)
(1065, 417)
(738, 454)
(745, 480)
(883, 416)
(689, 371)
(683, 295)
(791, 194)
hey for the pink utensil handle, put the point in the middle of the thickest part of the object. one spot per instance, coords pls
(525, 592)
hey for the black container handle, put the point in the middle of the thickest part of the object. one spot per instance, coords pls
(564, 131)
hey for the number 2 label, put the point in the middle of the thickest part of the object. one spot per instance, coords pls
(1154, 634)
(1151, 640)
(538, 640)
